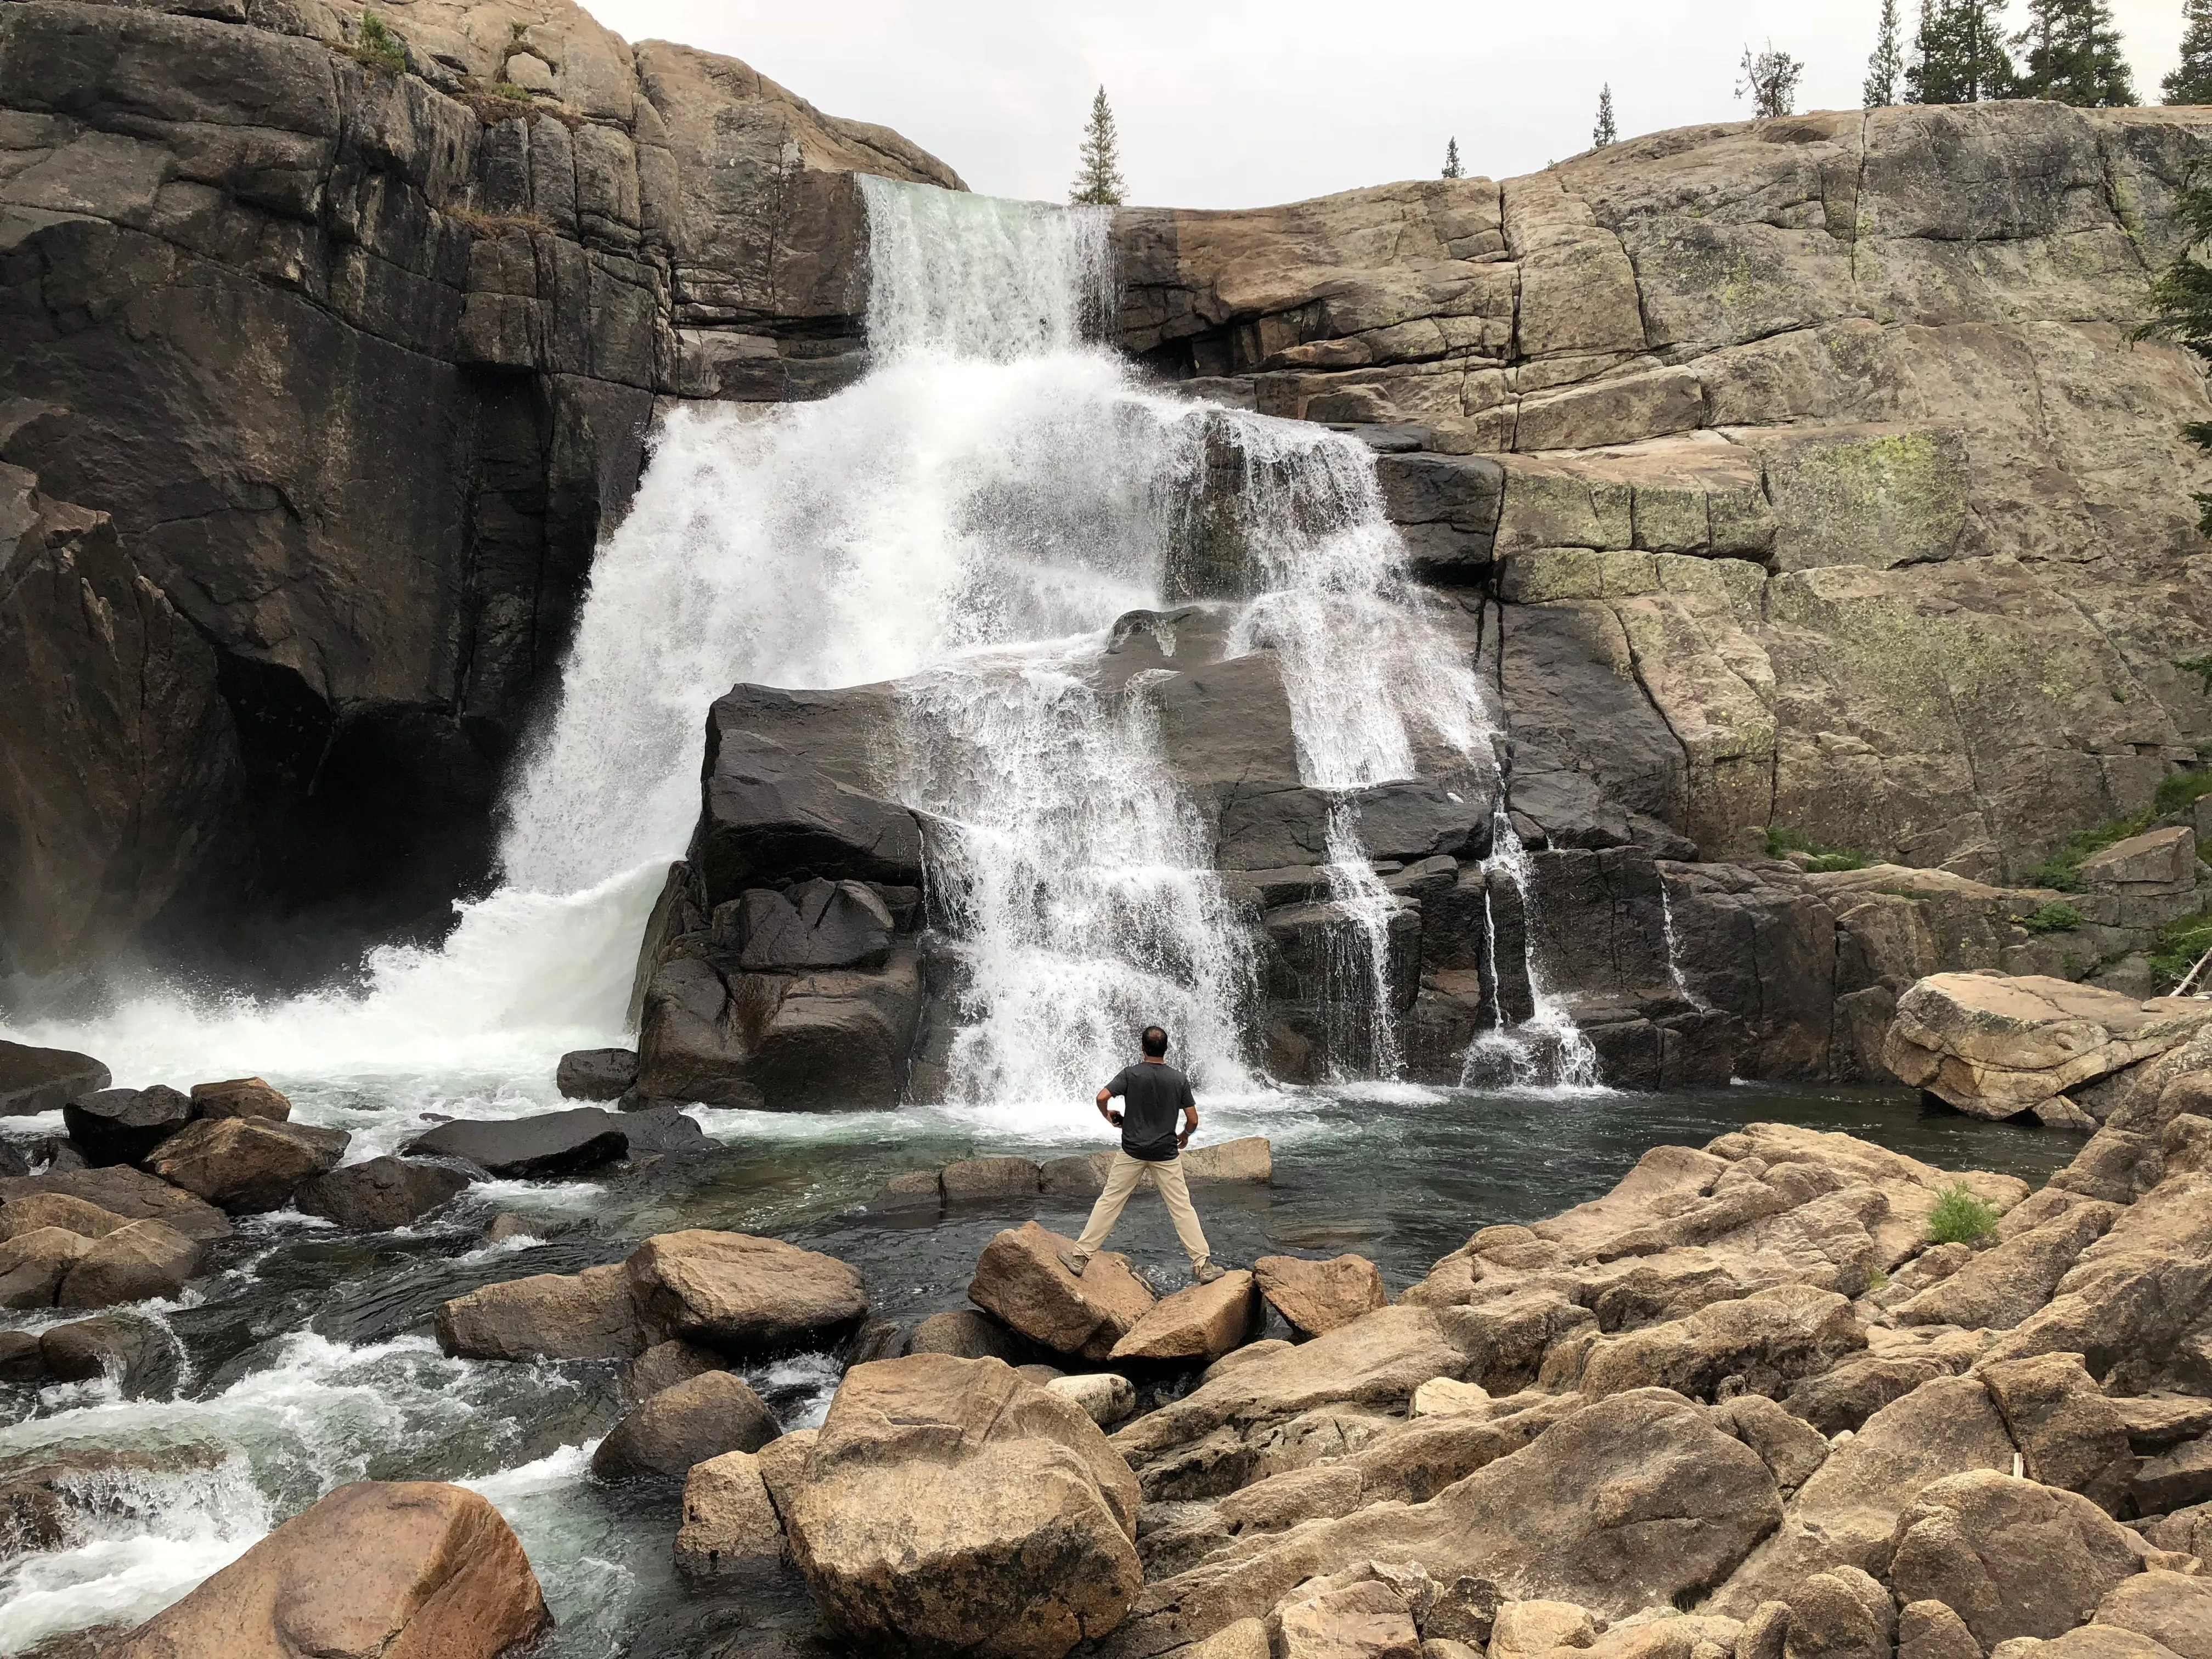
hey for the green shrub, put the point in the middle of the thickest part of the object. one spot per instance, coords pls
(508, 90)
(379, 47)
(1959, 1217)
(2053, 919)
(2180, 792)
(2200, 666)
(2180, 943)
(1780, 841)
(2062, 869)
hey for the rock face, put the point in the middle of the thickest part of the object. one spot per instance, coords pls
(516, 281)
(375, 1568)
(1780, 456)
(950, 1505)
(1995, 1047)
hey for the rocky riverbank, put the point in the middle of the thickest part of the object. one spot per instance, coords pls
(1788, 1392)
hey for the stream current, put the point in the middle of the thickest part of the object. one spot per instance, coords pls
(971, 520)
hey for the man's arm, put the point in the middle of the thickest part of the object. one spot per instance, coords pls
(1105, 1095)
(1189, 1118)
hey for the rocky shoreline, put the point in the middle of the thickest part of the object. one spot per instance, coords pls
(1791, 1393)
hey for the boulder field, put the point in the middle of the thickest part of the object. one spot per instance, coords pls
(1768, 1396)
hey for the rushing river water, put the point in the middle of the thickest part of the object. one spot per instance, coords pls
(972, 517)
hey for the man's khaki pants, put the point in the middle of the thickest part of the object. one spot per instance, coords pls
(1121, 1178)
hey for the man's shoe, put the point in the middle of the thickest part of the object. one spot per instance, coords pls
(1205, 1273)
(1075, 1264)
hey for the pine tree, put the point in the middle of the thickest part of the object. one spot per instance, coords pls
(1959, 54)
(1887, 62)
(1769, 78)
(2191, 82)
(1605, 132)
(2072, 51)
(2181, 298)
(1099, 180)
(1452, 168)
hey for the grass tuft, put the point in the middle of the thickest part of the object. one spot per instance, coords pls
(1960, 1217)
(2053, 919)
(378, 46)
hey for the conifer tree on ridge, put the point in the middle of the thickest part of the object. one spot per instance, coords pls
(2071, 55)
(1605, 132)
(1887, 64)
(1098, 180)
(1959, 54)
(1770, 79)
(2191, 82)
(1452, 168)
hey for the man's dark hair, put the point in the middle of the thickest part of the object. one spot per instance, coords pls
(1156, 1041)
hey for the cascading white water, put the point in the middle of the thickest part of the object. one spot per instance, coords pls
(993, 480)
(1548, 1047)
(1075, 877)
(1674, 949)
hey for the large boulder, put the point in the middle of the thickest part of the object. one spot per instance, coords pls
(529, 1148)
(130, 1193)
(239, 1096)
(1629, 1502)
(586, 1315)
(1314, 1297)
(742, 1295)
(1995, 1047)
(597, 1073)
(382, 1194)
(687, 1423)
(1203, 1322)
(1019, 1278)
(2173, 1608)
(376, 1569)
(122, 1126)
(731, 1530)
(136, 1263)
(34, 1080)
(950, 1505)
(32, 1265)
(73, 1215)
(247, 1164)
(2011, 1557)
(2068, 1433)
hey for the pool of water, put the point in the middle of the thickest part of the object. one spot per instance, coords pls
(306, 1359)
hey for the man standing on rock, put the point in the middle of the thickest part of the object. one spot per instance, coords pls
(1151, 1094)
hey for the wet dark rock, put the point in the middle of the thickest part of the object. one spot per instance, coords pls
(131, 1193)
(531, 1148)
(790, 794)
(382, 1194)
(686, 1423)
(968, 1333)
(1446, 508)
(247, 1164)
(665, 1365)
(656, 1131)
(819, 924)
(136, 1353)
(124, 1125)
(20, 1359)
(34, 1080)
(597, 1073)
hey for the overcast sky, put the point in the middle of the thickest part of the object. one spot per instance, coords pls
(1225, 103)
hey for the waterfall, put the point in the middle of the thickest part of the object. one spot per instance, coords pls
(1674, 949)
(970, 518)
(1548, 1047)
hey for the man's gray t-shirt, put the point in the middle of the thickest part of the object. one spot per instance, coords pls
(1152, 1095)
